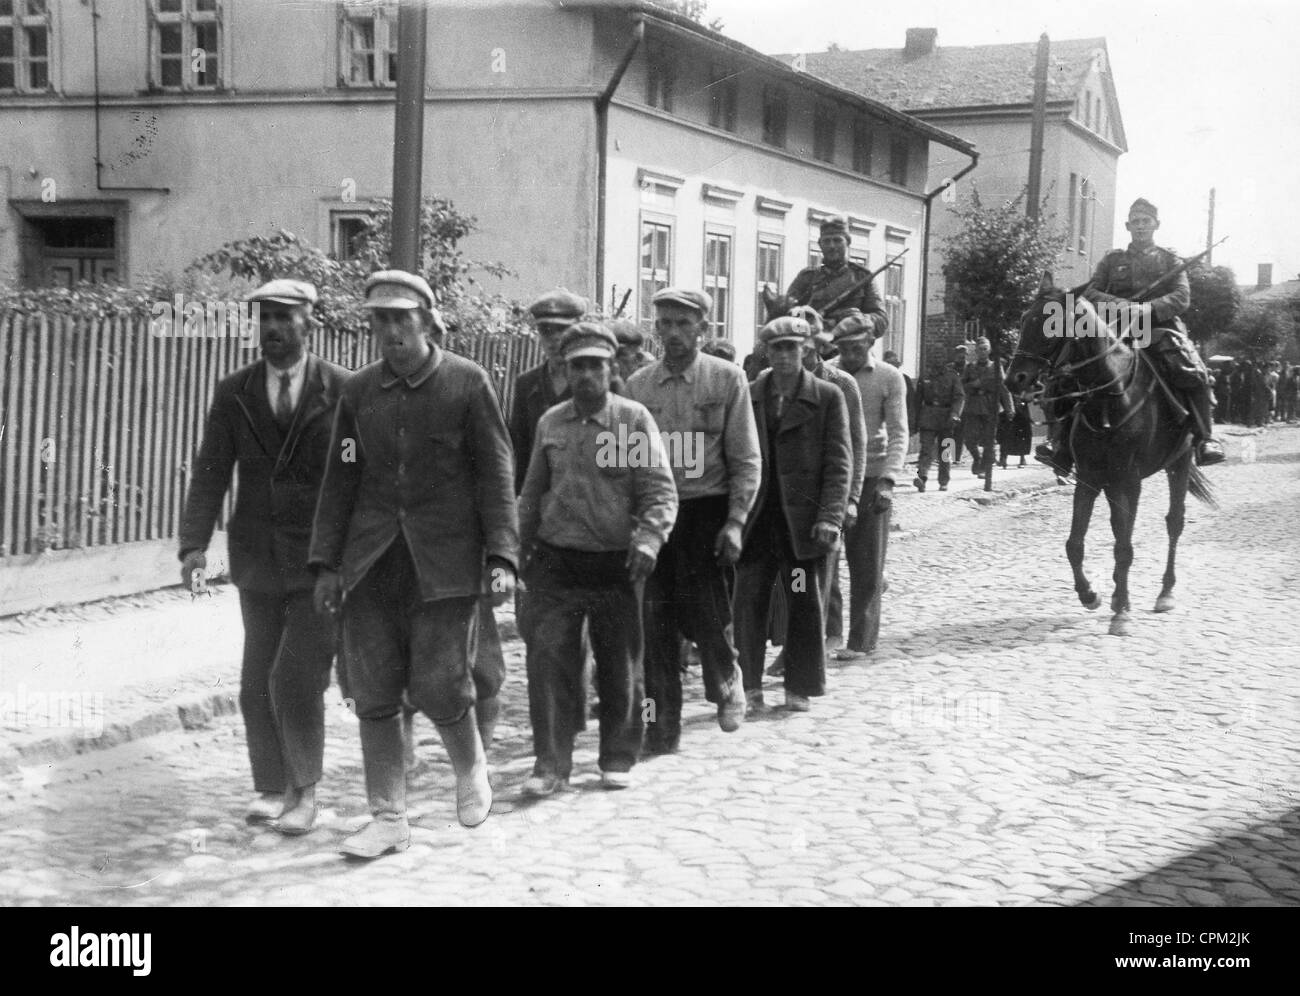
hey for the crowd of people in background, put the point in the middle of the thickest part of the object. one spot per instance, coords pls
(1256, 393)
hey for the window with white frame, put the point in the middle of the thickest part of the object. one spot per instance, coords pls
(186, 44)
(24, 46)
(656, 269)
(717, 280)
(771, 253)
(895, 306)
(367, 43)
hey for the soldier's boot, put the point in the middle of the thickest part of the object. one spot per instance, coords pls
(469, 761)
(1056, 451)
(1208, 449)
(486, 713)
(382, 753)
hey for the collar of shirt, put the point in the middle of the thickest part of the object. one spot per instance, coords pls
(414, 380)
(295, 373)
(688, 375)
(603, 418)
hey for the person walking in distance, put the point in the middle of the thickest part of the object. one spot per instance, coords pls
(884, 412)
(939, 404)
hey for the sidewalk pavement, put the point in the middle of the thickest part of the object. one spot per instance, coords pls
(84, 678)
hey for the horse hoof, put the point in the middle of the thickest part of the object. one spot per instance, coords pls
(1094, 605)
(1165, 603)
(1119, 626)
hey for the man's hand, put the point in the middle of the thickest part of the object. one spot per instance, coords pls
(639, 565)
(194, 561)
(500, 580)
(727, 546)
(328, 594)
(883, 498)
(850, 514)
(825, 535)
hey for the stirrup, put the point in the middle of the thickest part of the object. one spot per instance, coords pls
(1209, 452)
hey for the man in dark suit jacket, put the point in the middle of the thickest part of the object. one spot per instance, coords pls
(795, 522)
(272, 420)
(416, 521)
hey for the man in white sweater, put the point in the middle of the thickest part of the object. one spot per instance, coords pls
(884, 411)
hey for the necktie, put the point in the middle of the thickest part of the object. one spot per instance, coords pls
(284, 405)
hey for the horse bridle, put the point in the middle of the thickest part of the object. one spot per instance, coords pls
(1058, 372)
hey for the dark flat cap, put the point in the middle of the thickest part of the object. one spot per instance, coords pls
(588, 339)
(685, 298)
(626, 331)
(853, 327)
(558, 307)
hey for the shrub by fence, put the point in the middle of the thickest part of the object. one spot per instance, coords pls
(100, 420)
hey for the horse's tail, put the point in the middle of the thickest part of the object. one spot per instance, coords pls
(1199, 486)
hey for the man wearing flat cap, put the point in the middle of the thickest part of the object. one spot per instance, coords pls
(795, 522)
(828, 286)
(597, 505)
(416, 521)
(271, 420)
(884, 414)
(1121, 275)
(702, 404)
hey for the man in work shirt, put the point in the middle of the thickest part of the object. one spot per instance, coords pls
(702, 402)
(598, 503)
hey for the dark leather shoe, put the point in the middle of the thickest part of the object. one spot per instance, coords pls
(1061, 463)
(918, 483)
(1210, 452)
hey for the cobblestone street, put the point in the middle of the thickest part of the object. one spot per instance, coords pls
(999, 748)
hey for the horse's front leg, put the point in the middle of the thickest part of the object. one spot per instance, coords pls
(1123, 499)
(1179, 474)
(1085, 497)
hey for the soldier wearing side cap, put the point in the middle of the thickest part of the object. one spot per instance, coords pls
(416, 521)
(700, 401)
(271, 420)
(821, 287)
(794, 524)
(597, 505)
(1120, 276)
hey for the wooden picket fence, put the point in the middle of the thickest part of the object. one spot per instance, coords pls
(100, 420)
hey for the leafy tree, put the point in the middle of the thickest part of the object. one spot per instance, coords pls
(995, 261)
(1216, 299)
(1260, 330)
(696, 10)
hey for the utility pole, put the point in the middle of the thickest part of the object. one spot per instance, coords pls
(1209, 234)
(408, 135)
(1038, 126)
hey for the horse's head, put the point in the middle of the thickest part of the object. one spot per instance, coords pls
(776, 305)
(1037, 350)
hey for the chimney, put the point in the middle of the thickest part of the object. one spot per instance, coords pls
(1265, 279)
(920, 41)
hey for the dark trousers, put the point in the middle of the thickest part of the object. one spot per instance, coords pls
(832, 602)
(566, 588)
(933, 448)
(688, 596)
(864, 549)
(288, 649)
(393, 642)
(979, 436)
(768, 558)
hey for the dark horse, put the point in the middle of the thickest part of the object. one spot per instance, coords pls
(1126, 428)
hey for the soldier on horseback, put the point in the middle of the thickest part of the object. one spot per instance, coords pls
(1121, 276)
(823, 286)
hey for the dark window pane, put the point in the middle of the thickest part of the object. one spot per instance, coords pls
(6, 75)
(6, 8)
(169, 6)
(171, 72)
(36, 8)
(38, 74)
(392, 67)
(36, 43)
(205, 37)
(205, 5)
(6, 43)
(169, 39)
